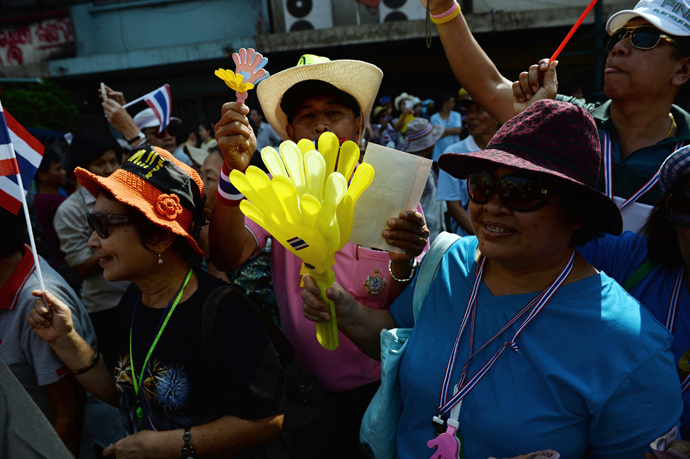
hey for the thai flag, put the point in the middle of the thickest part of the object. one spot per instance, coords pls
(20, 153)
(160, 102)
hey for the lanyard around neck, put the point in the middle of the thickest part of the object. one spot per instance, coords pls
(536, 306)
(671, 317)
(607, 146)
(161, 326)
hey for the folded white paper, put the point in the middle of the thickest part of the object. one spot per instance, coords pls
(399, 180)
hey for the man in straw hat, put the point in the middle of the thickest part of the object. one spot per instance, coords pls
(316, 96)
(648, 61)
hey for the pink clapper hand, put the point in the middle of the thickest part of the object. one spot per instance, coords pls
(448, 444)
(250, 65)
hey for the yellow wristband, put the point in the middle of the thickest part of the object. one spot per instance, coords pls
(448, 18)
(88, 365)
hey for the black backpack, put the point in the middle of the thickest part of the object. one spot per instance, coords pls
(311, 417)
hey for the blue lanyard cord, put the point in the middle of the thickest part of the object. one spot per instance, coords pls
(161, 326)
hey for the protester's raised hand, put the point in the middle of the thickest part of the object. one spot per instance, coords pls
(117, 96)
(236, 139)
(315, 310)
(408, 232)
(539, 82)
(50, 321)
(119, 118)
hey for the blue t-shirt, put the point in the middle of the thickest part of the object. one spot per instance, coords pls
(452, 189)
(593, 374)
(619, 257)
(454, 120)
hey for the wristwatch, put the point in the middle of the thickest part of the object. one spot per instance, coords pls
(139, 137)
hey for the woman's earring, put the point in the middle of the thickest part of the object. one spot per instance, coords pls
(160, 260)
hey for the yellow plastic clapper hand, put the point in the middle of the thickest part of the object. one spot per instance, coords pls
(307, 206)
(347, 160)
(276, 211)
(293, 160)
(315, 171)
(272, 161)
(363, 177)
(329, 146)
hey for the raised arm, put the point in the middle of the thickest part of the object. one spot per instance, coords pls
(474, 69)
(230, 242)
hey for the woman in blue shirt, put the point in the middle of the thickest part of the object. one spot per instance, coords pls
(653, 266)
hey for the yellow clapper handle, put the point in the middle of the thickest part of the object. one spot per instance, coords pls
(327, 226)
(326, 332)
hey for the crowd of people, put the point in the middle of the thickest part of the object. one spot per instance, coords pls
(571, 272)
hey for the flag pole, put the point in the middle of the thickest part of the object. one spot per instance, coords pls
(136, 100)
(31, 234)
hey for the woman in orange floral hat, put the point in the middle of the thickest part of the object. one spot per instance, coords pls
(180, 389)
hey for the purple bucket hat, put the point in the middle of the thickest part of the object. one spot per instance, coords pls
(554, 138)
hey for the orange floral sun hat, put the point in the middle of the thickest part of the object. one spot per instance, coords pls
(168, 192)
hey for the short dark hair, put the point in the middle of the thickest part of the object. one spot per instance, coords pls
(12, 232)
(258, 110)
(50, 156)
(662, 242)
(90, 144)
(311, 88)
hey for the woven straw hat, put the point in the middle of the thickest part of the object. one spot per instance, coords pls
(359, 79)
(165, 190)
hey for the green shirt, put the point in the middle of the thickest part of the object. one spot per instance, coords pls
(634, 171)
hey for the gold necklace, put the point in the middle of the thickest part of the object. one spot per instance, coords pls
(673, 125)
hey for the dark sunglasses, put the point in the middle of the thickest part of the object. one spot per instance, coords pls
(517, 191)
(678, 208)
(100, 222)
(641, 37)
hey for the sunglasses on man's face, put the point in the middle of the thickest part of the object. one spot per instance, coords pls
(641, 37)
(517, 191)
(678, 208)
(100, 222)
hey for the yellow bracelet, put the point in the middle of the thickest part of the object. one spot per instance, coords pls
(88, 366)
(449, 17)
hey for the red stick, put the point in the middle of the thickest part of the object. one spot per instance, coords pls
(572, 30)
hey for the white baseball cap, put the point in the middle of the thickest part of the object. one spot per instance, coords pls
(670, 16)
(146, 118)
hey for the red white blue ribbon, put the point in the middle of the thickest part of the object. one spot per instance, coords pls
(227, 193)
(416, 136)
(673, 303)
(536, 306)
(608, 174)
(671, 316)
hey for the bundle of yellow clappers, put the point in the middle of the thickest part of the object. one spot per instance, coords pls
(307, 206)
